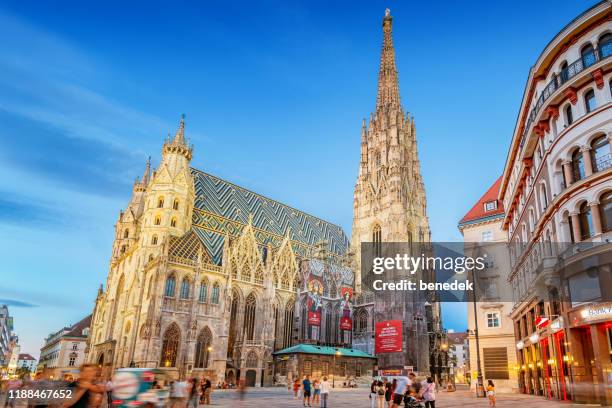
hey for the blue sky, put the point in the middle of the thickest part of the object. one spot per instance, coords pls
(274, 94)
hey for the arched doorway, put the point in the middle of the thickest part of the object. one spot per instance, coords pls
(230, 377)
(101, 359)
(250, 377)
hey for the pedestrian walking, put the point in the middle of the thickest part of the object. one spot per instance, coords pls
(388, 393)
(306, 388)
(491, 393)
(86, 391)
(325, 388)
(296, 387)
(207, 391)
(373, 394)
(401, 385)
(429, 393)
(109, 393)
(194, 393)
(380, 394)
(316, 396)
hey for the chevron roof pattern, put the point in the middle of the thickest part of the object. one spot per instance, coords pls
(222, 207)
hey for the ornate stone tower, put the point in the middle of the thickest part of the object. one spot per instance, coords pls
(390, 206)
(389, 202)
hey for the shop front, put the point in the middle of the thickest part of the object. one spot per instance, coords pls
(590, 352)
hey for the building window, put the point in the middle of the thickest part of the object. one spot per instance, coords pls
(175, 205)
(496, 363)
(75, 346)
(605, 208)
(185, 288)
(157, 220)
(578, 165)
(173, 222)
(586, 221)
(569, 118)
(214, 298)
(170, 345)
(493, 319)
(600, 154)
(203, 292)
(126, 234)
(377, 240)
(358, 370)
(72, 361)
(203, 348)
(154, 240)
(307, 367)
(589, 101)
(588, 56)
(250, 308)
(491, 205)
(160, 202)
(170, 285)
(487, 236)
(605, 45)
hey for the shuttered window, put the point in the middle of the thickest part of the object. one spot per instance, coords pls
(496, 363)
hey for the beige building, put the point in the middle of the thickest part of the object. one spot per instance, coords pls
(489, 317)
(64, 351)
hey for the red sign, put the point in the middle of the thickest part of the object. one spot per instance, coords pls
(346, 323)
(314, 318)
(541, 321)
(389, 336)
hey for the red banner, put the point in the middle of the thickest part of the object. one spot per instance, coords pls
(388, 336)
(314, 318)
(346, 323)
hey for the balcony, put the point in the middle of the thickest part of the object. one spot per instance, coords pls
(572, 70)
(176, 305)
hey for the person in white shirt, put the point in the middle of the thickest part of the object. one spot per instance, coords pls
(401, 385)
(325, 388)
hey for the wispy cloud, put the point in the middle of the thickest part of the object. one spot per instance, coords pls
(16, 303)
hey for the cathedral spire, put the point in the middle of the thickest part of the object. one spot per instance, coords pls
(147, 173)
(179, 137)
(388, 86)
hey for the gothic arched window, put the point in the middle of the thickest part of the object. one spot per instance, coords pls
(250, 307)
(289, 308)
(377, 240)
(203, 291)
(185, 288)
(160, 202)
(170, 286)
(173, 222)
(203, 348)
(214, 298)
(170, 345)
(233, 321)
(154, 240)
(252, 360)
(175, 205)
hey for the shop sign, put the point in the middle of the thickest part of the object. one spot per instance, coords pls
(556, 324)
(597, 312)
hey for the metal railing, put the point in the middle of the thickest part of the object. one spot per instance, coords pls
(573, 69)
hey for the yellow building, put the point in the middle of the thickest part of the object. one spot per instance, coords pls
(489, 317)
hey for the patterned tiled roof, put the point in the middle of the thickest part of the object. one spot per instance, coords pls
(222, 207)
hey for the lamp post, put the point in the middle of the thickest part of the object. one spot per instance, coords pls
(479, 383)
(209, 356)
(337, 353)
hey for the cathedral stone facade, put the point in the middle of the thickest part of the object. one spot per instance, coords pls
(390, 206)
(208, 278)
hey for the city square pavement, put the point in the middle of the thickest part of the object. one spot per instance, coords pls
(357, 398)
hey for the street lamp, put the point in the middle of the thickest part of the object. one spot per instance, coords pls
(337, 353)
(479, 384)
(209, 349)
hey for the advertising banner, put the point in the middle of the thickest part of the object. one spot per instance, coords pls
(388, 336)
(346, 323)
(315, 294)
